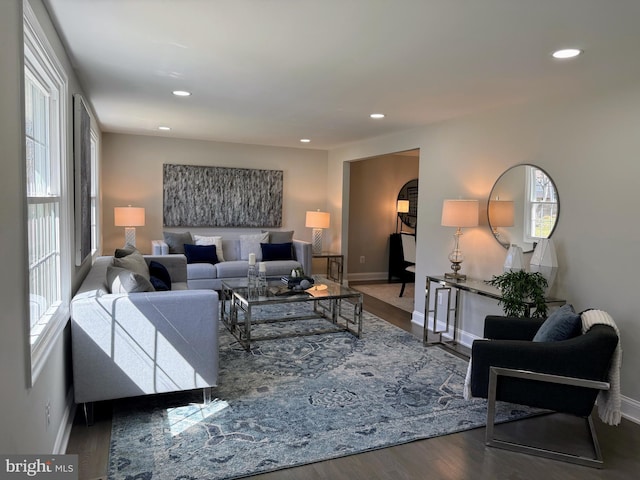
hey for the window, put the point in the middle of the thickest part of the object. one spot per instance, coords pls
(45, 88)
(541, 205)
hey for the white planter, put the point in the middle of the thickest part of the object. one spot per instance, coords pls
(545, 261)
(514, 261)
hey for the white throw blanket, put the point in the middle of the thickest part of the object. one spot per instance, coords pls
(466, 391)
(608, 400)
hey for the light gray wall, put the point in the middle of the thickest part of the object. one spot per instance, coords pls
(589, 147)
(373, 192)
(132, 174)
(23, 426)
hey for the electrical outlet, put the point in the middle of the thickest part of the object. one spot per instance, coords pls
(47, 413)
(362, 259)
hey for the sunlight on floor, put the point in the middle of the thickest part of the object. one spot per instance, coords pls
(184, 417)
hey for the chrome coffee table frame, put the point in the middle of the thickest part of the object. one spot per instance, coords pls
(238, 306)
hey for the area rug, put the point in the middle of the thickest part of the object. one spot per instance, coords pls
(298, 400)
(388, 293)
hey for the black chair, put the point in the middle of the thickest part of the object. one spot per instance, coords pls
(564, 376)
(408, 260)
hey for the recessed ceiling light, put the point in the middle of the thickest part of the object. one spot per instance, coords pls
(181, 93)
(377, 115)
(164, 128)
(566, 53)
(305, 140)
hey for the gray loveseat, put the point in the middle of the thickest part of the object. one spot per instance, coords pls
(234, 263)
(131, 344)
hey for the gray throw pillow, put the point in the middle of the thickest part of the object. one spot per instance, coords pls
(251, 244)
(176, 241)
(562, 324)
(134, 262)
(121, 280)
(128, 249)
(278, 236)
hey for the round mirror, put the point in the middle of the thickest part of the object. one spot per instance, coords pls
(407, 205)
(523, 207)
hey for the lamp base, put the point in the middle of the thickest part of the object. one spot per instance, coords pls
(316, 235)
(460, 277)
(455, 266)
(130, 236)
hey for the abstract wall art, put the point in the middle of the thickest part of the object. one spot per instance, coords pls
(82, 167)
(200, 196)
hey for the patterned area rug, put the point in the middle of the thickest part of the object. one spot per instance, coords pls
(388, 293)
(298, 400)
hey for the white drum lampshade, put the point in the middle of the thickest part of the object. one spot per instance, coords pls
(544, 260)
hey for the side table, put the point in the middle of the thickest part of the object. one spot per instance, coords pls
(335, 263)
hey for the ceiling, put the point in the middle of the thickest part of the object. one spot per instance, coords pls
(271, 72)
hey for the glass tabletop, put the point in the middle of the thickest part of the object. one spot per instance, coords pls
(479, 287)
(277, 291)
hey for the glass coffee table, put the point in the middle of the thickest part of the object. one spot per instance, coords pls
(340, 306)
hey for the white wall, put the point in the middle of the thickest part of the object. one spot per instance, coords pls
(589, 147)
(23, 426)
(132, 174)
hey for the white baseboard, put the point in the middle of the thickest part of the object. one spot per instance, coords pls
(368, 276)
(64, 431)
(464, 338)
(417, 317)
(629, 407)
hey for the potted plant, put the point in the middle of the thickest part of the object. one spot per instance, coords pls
(518, 288)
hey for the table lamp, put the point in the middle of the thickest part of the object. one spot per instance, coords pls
(129, 217)
(501, 214)
(402, 207)
(317, 221)
(459, 214)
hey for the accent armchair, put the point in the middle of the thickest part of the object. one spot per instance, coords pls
(563, 376)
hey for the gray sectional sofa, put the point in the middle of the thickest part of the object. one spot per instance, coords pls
(131, 344)
(146, 342)
(234, 263)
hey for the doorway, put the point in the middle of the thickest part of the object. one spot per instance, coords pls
(374, 187)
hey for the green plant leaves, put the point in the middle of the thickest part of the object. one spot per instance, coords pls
(518, 288)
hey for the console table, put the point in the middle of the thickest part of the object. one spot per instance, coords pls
(476, 287)
(334, 265)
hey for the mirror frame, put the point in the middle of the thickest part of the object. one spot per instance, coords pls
(491, 195)
(409, 191)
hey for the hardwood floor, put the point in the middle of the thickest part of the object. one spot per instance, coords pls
(458, 456)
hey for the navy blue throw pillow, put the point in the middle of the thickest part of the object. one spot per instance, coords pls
(160, 273)
(201, 253)
(277, 251)
(562, 324)
(158, 284)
